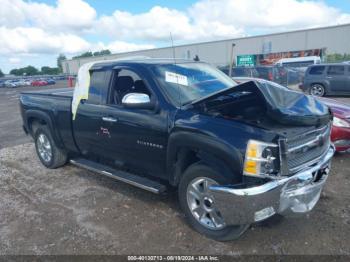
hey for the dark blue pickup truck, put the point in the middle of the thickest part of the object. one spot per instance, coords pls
(237, 154)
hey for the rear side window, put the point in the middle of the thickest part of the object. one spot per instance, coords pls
(97, 84)
(336, 70)
(317, 70)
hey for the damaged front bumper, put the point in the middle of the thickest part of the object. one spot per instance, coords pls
(292, 195)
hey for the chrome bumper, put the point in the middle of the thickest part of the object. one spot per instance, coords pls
(296, 194)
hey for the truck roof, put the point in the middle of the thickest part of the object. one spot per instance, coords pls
(153, 61)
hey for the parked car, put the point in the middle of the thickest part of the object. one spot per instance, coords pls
(50, 81)
(340, 134)
(159, 123)
(28, 82)
(327, 79)
(39, 83)
(20, 82)
(59, 77)
(10, 84)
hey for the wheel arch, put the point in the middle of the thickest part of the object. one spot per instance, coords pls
(35, 116)
(186, 148)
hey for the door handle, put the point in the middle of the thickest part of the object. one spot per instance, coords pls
(109, 119)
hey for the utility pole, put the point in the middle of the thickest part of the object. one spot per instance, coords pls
(231, 60)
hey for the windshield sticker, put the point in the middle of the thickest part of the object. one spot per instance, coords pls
(176, 78)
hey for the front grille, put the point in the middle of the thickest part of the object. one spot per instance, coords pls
(307, 147)
(304, 138)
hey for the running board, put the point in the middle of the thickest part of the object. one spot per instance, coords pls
(123, 176)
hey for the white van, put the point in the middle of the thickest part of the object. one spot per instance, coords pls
(299, 61)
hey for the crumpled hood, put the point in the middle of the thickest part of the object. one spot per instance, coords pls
(283, 105)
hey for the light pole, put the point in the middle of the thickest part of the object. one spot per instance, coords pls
(231, 60)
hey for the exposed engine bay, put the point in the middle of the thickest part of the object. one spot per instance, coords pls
(258, 103)
(240, 106)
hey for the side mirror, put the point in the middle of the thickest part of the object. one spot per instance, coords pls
(137, 100)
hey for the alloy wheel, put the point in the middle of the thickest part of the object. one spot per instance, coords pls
(317, 90)
(44, 148)
(202, 204)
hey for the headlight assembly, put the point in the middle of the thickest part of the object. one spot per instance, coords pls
(260, 159)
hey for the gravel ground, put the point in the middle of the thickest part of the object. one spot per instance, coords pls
(73, 211)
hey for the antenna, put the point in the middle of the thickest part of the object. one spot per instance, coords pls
(172, 45)
(177, 82)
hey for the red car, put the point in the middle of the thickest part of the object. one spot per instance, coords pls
(39, 83)
(340, 135)
(341, 123)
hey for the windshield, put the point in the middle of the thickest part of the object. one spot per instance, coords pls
(187, 82)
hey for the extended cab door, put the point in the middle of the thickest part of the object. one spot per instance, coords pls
(135, 138)
(88, 121)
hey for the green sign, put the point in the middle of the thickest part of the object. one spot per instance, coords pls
(246, 60)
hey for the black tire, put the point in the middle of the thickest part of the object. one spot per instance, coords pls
(58, 156)
(317, 90)
(196, 171)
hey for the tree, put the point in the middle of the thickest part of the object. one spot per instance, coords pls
(46, 70)
(102, 52)
(335, 58)
(28, 71)
(14, 72)
(1, 74)
(60, 58)
(90, 54)
(86, 54)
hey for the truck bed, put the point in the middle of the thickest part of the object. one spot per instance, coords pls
(56, 105)
(64, 92)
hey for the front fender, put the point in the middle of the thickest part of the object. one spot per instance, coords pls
(211, 150)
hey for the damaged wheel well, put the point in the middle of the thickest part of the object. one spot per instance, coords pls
(188, 156)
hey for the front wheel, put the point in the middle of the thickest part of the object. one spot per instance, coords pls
(199, 204)
(317, 90)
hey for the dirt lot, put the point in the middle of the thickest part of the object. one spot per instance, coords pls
(11, 132)
(72, 211)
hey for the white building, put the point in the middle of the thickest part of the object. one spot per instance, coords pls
(264, 49)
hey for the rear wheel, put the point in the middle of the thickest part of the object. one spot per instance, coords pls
(199, 204)
(317, 90)
(49, 154)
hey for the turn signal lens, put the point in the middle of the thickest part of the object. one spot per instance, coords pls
(250, 167)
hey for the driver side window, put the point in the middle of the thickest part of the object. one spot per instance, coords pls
(126, 82)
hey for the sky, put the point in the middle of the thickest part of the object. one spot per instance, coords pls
(35, 32)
